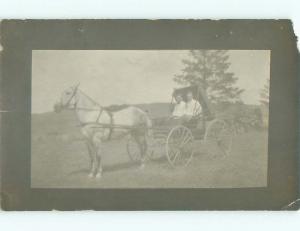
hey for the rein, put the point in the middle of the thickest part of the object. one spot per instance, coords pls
(100, 109)
(109, 126)
(70, 99)
(75, 107)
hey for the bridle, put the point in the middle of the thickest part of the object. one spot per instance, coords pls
(75, 107)
(67, 105)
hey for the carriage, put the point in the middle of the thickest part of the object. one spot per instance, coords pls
(180, 141)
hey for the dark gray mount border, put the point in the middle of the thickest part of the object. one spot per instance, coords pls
(19, 38)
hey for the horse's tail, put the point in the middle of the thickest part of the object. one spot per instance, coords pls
(145, 121)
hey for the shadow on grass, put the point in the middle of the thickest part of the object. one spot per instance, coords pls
(108, 168)
(129, 165)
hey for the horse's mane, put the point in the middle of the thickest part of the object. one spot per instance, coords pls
(114, 107)
(110, 108)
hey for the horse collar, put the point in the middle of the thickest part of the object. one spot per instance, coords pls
(111, 115)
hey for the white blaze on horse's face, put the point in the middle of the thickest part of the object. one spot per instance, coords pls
(68, 98)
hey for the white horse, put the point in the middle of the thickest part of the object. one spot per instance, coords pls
(99, 125)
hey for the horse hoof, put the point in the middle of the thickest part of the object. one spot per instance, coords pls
(142, 166)
(91, 175)
(98, 175)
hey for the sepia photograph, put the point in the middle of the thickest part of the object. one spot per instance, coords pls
(130, 114)
(149, 118)
(149, 115)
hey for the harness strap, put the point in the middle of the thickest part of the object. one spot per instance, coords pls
(70, 99)
(99, 115)
(111, 125)
(194, 110)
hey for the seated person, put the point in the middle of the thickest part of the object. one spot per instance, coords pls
(179, 108)
(192, 107)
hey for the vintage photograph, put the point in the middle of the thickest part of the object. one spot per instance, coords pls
(149, 118)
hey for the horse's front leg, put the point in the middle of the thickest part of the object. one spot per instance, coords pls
(98, 150)
(99, 164)
(91, 152)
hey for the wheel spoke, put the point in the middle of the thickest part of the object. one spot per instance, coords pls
(177, 145)
(175, 156)
(182, 134)
(186, 140)
(133, 150)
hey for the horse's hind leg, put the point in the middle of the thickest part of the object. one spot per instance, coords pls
(144, 150)
(141, 141)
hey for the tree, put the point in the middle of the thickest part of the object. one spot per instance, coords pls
(264, 94)
(210, 68)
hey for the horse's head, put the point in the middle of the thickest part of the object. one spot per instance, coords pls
(67, 100)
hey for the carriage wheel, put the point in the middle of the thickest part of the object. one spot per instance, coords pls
(133, 150)
(219, 134)
(179, 148)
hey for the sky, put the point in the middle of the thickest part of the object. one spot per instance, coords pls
(131, 76)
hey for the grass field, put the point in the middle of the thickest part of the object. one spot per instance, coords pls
(59, 159)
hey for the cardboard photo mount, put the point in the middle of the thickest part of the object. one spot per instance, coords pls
(20, 37)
